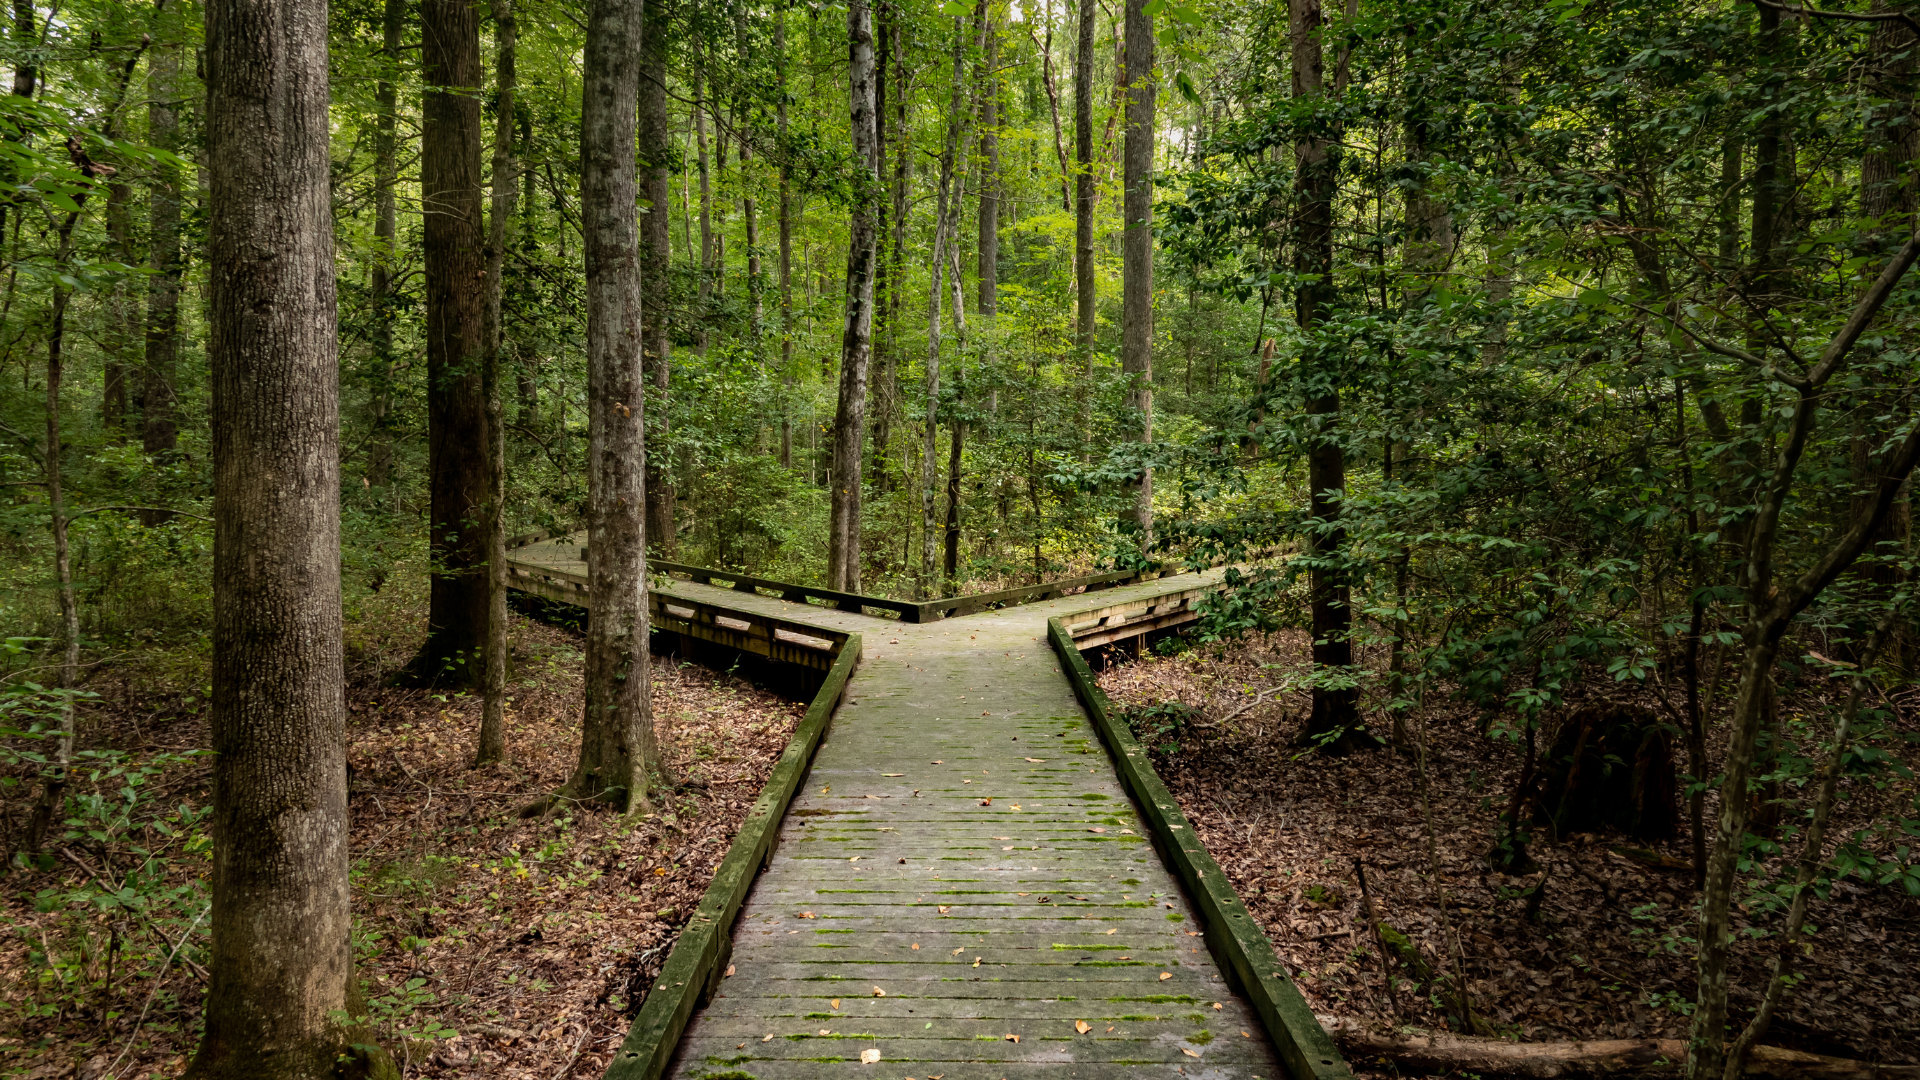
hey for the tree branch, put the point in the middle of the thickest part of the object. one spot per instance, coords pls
(1845, 16)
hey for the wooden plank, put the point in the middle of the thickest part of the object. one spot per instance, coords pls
(700, 952)
(1231, 931)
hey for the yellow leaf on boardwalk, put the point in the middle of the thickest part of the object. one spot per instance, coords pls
(1165, 975)
(1082, 1026)
(868, 1057)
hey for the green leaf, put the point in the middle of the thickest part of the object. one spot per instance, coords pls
(1154, 7)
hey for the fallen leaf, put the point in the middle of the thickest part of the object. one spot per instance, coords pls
(988, 801)
(1109, 1027)
(1037, 760)
(916, 946)
(868, 1057)
(939, 763)
(1115, 930)
(1098, 828)
(835, 1003)
(976, 961)
(1126, 958)
(769, 1037)
(808, 915)
(1003, 838)
(966, 781)
(877, 992)
(1165, 975)
(1083, 898)
(824, 1031)
(1244, 1035)
(1082, 1026)
(856, 858)
(1183, 1050)
(1011, 1038)
(893, 774)
(943, 909)
(958, 951)
(1009, 847)
(1217, 1005)
(739, 1046)
(729, 971)
(1015, 806)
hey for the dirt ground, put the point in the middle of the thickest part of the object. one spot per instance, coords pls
(526, 938)
(1605, 953)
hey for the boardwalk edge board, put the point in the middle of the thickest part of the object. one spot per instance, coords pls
(1235, 939)
(700, 954)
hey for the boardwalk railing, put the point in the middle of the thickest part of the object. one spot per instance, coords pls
(1235, 939)
(536, 574)
(699, 957)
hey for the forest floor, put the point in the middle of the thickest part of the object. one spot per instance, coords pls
(526, 937)
(1606, 953)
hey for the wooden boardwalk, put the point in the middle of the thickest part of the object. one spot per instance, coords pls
(963, 868)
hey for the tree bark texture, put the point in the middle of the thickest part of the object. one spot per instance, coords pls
(159, 433)
(786, 241)
(385, 231)
(280, 955)
(1083, 189)
(1334, 714)
(460, 482)
(492, 745)
(989, 239)
(856, 343)
(706, 191)
(1136, 300)
(656, 270)
(618, 755)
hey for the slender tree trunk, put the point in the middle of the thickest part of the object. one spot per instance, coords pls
(159, 433)
(750, 211)
(385, 233)
(280, 957)
(886, 281)
(944, 199)
(856, 347)
(705, 292)
(493, 725)
(54, 777)
(786, 241)
(618, 754)
(1136, 320)
(886, 393)
(957, 434)
(1045, 45)
(1083, 193)
(458, 427)
(1335, 717)
(989, 239)
(656, 267)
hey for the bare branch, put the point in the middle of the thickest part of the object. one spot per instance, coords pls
(1845, 16)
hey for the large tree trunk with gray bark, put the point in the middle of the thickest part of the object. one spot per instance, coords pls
(1136, 249)
(281, 955)
(618, 754)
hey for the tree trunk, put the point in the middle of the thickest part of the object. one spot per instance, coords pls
(786, 241)
(159, 433)
(886, 277)
(989, 239)
(944, 196)
(705, 292)
(1334, 718)
(856, 346)
(458, 428)
(957, 437)
(280, 957)
(618, 755)
(493, 726)
(385, 233)
(54, 778)
(1136, 321)
(656, 269)
(1083, 203)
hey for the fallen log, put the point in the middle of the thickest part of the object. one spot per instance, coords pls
(1586, 1060)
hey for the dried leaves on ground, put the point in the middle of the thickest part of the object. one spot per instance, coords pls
(490, 945)
(1596, 943)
